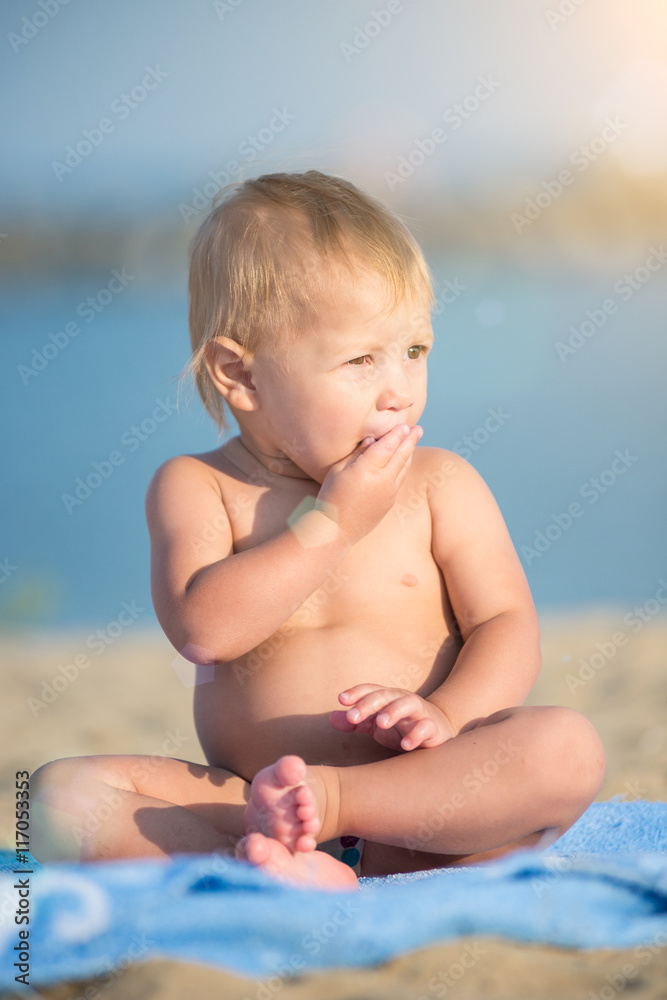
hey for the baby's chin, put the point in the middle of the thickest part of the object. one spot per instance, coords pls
(317, 472)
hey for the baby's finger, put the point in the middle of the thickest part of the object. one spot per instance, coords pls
(370, 704)
(400, 441)
(340, 722)
(402, 458)
(352, 694)
(418, 734)
(409, 706)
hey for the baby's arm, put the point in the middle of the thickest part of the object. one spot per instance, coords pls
(489, 594)
(500, 659)
(214, 604)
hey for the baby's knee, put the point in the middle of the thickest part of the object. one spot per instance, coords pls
(64, 794)
(578, 758)
(54, 782)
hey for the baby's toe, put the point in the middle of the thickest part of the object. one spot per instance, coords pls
(253, 848)
(305, 843)
(289, 770)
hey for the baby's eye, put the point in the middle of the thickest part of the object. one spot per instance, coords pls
(420, 348)
(416, 347)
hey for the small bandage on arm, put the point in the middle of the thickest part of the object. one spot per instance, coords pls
(309, 526)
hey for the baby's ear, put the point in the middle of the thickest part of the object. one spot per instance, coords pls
(227, 366)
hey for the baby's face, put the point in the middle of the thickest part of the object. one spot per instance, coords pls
(359, 370)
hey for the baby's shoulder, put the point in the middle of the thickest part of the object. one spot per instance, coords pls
(430, 457)
(183, 475)
(438, 466)
(446, 478)
(187, 466)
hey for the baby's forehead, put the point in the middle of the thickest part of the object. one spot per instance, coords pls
(368, 294)
(364, 322)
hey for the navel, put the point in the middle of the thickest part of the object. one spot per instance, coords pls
(409, 580)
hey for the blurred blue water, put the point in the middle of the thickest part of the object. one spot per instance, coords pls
(558, 426)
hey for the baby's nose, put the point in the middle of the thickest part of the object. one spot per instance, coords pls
(396, 394)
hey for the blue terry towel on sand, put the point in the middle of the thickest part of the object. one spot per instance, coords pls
(602, 885)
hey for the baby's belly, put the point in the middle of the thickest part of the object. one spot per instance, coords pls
(258, 708)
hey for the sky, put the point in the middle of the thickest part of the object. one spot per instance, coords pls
(357, 84)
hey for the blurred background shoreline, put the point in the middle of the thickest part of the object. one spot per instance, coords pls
(607, 220)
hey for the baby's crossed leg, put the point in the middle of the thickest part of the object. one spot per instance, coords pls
(115, 806)
(518, 777)
(491, 789)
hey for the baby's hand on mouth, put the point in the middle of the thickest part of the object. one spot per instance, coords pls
(362, 488)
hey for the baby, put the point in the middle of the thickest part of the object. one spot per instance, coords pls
(364, 632)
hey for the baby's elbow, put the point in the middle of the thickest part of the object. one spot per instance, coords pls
(199, 645)
(199, 634)
(195, 642)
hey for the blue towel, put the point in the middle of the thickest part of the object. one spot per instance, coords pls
(602, 885)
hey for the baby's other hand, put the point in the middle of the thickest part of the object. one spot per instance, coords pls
(395, 718)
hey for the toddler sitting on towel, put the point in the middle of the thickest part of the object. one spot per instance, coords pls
(364, 632)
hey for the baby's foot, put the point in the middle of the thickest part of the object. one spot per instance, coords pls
(311, 868)
(281, 807)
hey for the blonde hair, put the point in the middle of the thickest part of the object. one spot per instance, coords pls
(259, 260)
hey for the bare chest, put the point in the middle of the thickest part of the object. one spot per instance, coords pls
(389, 577)
(382, 616)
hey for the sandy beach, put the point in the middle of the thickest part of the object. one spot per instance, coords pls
(607, 663)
